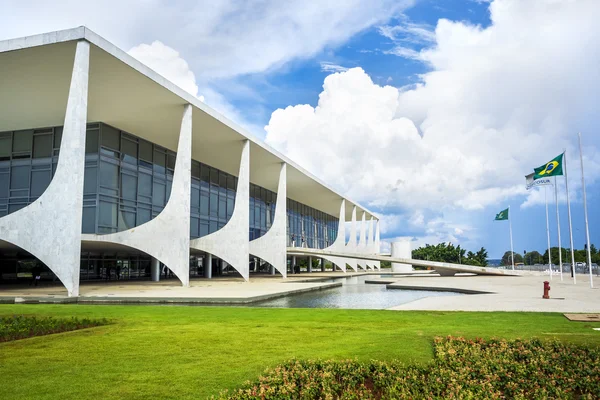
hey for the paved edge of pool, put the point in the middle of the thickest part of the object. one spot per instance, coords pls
(163, 300)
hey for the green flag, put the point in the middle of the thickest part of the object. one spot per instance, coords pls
(502, 215)
(552, 168)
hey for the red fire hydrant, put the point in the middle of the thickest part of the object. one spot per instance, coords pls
(546, 290)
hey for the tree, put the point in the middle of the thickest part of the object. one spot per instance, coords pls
(506, 259)
(447, 252)
(533, 257)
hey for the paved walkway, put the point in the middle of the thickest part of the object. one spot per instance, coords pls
(217, 290)
(523, 293)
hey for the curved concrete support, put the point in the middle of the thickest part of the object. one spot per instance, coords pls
(351, 245)
(339, 243)
(361, 241)
(271, 247)
(50, 227)
(377, 246)
(231, 243)
(167, 236)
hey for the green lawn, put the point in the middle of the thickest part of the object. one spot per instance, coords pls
(193, 352)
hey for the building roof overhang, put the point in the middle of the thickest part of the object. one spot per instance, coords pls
(35, 74)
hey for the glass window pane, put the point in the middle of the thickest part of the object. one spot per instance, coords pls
(213, 227)
(15, 207)
(171, 161)
(204, 229)
(145, 184)
(143, 215)
(90, 180)
(91, 141)
(110, 137)
(129, 151)
(42, 146)
(3, 185)
(195, 201)
(108, 214)
(214, 204)
(204, 173)
(88, 224)
(57, 136)
(39, 182)
(229, 207)
(128, 187)
(158, 194)
(5, 146)
(109, 175)
(223, 180)
(195, 169)
(194, 228)
(222, 208)
(204, 204)
(127, 220)
(159, 162)
(231, 183)
(214, 176)
(22, 140)
(145, 150)
(19, 177)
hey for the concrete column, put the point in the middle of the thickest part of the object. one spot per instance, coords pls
(271, 247)
(208, 267)
(167, 236)
(50, 227)
(309, 264)
(155, 270)
(351, 245)
(231, 242)
(293, 264)
(223, 266)
(272, 270)
(401, 250)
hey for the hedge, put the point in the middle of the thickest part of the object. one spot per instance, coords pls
(461, 369)
(20, 327)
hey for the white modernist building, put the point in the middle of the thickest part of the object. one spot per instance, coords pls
(110, 171)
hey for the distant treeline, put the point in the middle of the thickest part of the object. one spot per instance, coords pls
(447, 252)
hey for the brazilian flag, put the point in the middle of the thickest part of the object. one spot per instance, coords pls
(502, 215)
(551, 168)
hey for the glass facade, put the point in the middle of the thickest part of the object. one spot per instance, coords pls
(128, 182)
(28, 160)
(308, 227)
(262, 210)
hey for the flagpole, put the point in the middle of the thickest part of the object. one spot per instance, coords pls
(585, 213)
(558, 228)
(512, 252)
(548, 231)
(573, 274)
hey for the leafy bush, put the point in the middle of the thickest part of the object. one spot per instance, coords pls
(20, 327)
(462, 369)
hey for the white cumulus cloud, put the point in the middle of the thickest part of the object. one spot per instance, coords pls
(496, 102)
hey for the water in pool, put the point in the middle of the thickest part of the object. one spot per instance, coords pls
(354, 294)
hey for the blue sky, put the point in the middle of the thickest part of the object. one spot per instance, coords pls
(437, 110)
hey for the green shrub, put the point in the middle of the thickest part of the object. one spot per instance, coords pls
(462, 369)
(20, 327)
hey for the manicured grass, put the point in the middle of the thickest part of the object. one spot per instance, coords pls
(194, 352)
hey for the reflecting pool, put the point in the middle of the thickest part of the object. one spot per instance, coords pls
(354, 294)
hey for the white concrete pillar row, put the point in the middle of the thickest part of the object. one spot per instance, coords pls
(309, 264)
(377, 246)
(50, 227)
(362, 241)
(351, 245)
(272, 246)
(167, 236)
(370, 243)
(339, 244)
(230, 243)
